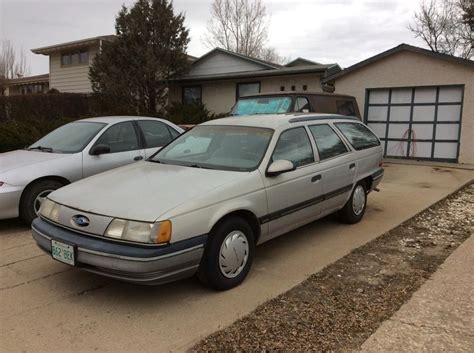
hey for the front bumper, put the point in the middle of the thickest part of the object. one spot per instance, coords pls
(10, 200)
(139, 264)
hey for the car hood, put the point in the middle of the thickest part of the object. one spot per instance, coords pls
(22, 158)
(142, 191)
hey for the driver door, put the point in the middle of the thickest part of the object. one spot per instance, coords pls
(122, 139)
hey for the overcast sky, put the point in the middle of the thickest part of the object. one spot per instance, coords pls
(326, 31)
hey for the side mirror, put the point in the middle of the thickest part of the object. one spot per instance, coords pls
(280, 166)
(99, 149)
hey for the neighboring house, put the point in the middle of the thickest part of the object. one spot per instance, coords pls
(27, 85)
(420, 103)
(69, 63)
(217, 79)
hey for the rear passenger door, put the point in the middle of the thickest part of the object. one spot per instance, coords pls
(123, 141)
(337, 167)
(155, 134)
(293, 197)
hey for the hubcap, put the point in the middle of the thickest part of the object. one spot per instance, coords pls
(358, 200)
(40, 199)
(234, 254)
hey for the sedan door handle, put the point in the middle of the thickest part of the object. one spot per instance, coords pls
(316, 178)
(352, 166)
(138, 158)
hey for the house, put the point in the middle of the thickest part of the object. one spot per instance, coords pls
(218, 78)
(420, 103)
(69, 63)
(27, 85)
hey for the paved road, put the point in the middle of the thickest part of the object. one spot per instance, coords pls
(47, 306)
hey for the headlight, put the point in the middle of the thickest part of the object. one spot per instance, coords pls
(141, 232)
(50, 209)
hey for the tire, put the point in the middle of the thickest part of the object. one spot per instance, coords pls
(29, 203)
(354, 210)
(223, 267)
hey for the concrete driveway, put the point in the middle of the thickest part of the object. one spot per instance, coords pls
(47, 306)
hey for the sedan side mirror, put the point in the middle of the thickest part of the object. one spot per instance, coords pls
(99, 149)
(280, 166)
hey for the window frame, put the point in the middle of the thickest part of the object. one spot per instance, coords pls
(342, 138)
(238, 84)
(310, 140)
(183, 88)
(135, 129)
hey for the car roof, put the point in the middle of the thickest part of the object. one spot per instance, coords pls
(297, 93)
(116, 119)
(274, 121)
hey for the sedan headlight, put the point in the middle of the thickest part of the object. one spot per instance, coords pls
(50, 209)
(141, 232)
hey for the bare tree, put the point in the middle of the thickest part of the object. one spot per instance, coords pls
(442, 26)
(240, 26)
(11, 64)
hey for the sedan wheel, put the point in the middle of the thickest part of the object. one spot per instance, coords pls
(354, 209)
(40, 199)
(33, 197)
(234, 254)
(358, 200)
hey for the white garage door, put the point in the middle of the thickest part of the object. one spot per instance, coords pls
(417, 122)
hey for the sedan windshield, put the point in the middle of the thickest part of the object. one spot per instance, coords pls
(262, 105)
(239, 148)
(69, 138)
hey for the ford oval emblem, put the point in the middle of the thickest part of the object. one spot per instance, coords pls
(80, 220)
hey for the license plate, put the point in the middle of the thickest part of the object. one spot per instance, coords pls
(63, 252)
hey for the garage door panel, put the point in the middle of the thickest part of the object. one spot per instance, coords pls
(447, 131)
(398, 131)
(401, 95)
(450, 94)
(425, 95)
(422, 131)
(377, 113)
(379, 96)
(449, 112)
(421, 149)
(400, 113)
(397, 148)
(424, 113)
(379, 129)
(445, 150)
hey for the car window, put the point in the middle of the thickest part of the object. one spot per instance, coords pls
(358, 135)
(173, 132)
(294, 145)
(328, 143)
(345, 108)
(301, 105)
(120, 137)
(156, 133)
(262, 105)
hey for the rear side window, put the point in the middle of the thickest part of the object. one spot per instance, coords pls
(345, 108)
(120, 137)
(301, 105)
(328, 143)
(156, 133)
(294, 145)
(358, 135)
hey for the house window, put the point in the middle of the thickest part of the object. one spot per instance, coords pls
(247, 89)
(75, 57)
(192, 95)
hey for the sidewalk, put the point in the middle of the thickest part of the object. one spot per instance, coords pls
(439, 316)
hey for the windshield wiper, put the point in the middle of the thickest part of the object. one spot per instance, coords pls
(41, 148)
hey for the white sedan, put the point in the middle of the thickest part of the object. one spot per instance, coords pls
(72, 152)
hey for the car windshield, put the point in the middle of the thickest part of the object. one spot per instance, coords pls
(238, 148)
(262, 105)
(69, 138)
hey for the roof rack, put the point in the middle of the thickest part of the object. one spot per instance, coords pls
(322, 117)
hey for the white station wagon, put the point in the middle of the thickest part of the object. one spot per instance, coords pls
(203, 202)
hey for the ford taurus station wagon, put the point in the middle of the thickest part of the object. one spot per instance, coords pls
(203, 202)
(72, 152)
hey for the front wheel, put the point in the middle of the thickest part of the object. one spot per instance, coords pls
(354, 209)
(33, 197)
(228, 255)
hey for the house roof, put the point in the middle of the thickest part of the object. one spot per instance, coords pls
(266, 64)
(400, 48)
(70, 45)
(28, 80)
(279, 71)
(301, 61)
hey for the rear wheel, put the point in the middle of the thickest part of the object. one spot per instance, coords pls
(228, 255)
(33, 197)
(354, 209)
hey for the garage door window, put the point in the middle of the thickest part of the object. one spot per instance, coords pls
(417, 122)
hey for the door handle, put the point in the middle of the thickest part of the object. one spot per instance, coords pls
(352, 166)
(138, 158)
(316, 178)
